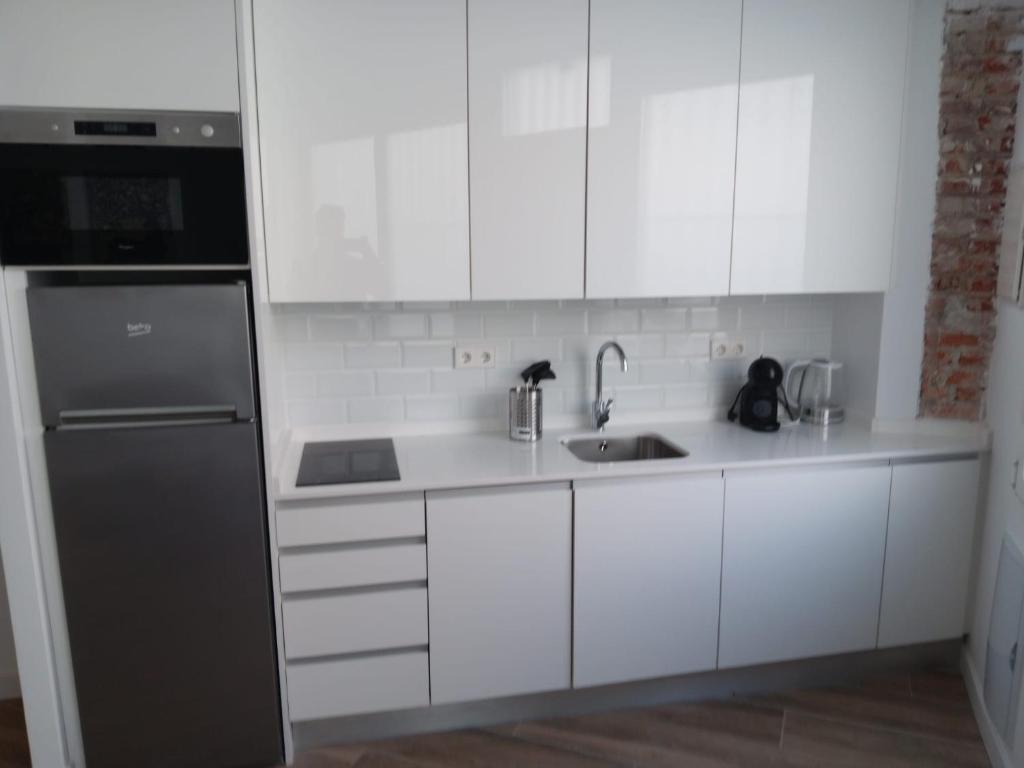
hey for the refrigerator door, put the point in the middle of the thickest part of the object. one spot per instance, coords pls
(112, 352)
(161, 537)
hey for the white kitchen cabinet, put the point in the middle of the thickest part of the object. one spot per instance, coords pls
(801, 562)
(664, 76)
(499, 566)
(119, 54)
(928, 551)
(527, 147)
(362, 120)
(820, 110)
(647, 564)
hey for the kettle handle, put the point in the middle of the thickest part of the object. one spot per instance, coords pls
(794, 366)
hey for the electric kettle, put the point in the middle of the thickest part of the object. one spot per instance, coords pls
(817, 389)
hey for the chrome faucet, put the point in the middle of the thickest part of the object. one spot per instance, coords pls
(602, 408)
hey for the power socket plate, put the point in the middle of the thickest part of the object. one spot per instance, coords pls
(474, 356)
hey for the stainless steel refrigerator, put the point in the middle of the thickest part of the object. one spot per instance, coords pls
(152, 450)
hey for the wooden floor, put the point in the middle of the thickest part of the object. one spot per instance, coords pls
(915, 719)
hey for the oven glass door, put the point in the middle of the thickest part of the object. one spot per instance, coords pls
(107, 206)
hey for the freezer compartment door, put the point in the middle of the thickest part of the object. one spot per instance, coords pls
(161, 539)
(118, 349)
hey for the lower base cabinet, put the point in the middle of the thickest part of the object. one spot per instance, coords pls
(499, 566)
(928, 551)
(802, 562)
(647, 565)
(338, 687)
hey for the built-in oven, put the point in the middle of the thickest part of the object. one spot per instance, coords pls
(88, 189)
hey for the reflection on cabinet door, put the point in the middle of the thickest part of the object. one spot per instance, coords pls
(362, 116)
(801, 562)
(662, 146)
(821, 99)
(499, 566)
(928, 551)
(527, 147)
(647, 564)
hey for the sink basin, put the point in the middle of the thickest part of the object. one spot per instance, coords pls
(634, 448)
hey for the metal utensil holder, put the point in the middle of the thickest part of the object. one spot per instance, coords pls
(525, 414)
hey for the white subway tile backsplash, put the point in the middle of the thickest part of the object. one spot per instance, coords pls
(665, 372)
(489, 405)
(427, 355)
(339, 327)
(313, 413)
(312, 357)
(343, 383)
(452, 325)
(715, 318)
(685, 396)
(463, 380)
(403, 382)
(400, 326)
(432, 408)
(388, 363)
(505, 324)
(376, 409)
(762, 317)
(299, 386)
(566, 323)
(639, 398)
(612, 321)
(688, 345)
(663, 319)
(382, 355)
(526, 351)
(643, 345)
(290, 327)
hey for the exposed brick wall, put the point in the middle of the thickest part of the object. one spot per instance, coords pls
(977, 120)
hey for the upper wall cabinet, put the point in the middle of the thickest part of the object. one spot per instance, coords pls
(662, 143)
(362, 118)
(821, 94)
(119, 54)
(527, 147)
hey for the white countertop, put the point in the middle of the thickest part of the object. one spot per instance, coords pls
(431, 462)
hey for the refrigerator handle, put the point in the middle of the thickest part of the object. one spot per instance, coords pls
(105, 418)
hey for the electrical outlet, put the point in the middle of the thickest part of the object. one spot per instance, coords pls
(474, 356)
(725, 347)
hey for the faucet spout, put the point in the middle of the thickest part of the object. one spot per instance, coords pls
(601, 411)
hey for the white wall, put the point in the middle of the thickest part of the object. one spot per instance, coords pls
(365, 368)
(902, 333)
(1004, 513)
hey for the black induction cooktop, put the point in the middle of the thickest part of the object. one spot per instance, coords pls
(348, 461)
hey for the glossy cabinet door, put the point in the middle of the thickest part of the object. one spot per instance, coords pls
(664, 76)
(362, 119)
(928, 551)
(527, 147)
(119, 54)
(801, 562)
(647, 564)
(820, 110)
(499, 569)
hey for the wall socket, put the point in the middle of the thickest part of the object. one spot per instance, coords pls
(726, 347)
(474, 356)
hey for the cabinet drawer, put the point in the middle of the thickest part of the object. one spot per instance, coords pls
(368, 566)
(353, 686)
(372, 621)
(361, 519)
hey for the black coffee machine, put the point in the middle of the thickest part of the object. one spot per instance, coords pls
(758, 399)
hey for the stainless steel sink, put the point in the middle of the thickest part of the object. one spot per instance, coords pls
(633, 448)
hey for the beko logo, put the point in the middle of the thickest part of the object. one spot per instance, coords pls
(139, 329)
